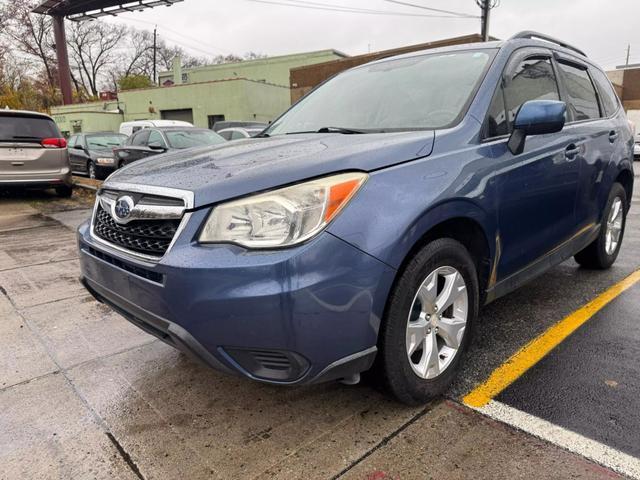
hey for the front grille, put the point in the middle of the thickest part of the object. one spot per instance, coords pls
(149, 237)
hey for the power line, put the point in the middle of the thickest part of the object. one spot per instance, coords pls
(338, 8)
(423, 7)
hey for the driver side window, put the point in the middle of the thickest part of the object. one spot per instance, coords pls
(155, 138)
(532, 79)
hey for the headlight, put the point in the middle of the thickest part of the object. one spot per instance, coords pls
(104, 161)
(282, 217)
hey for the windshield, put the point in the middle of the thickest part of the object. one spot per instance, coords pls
(192, 138)
(102, 142)
(26, 129)
(414, 93)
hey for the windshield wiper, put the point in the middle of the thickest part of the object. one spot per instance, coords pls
(339, 130)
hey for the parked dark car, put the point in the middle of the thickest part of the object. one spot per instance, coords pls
(92, 154)
(152, 141)
(33, 152)
(368, 224)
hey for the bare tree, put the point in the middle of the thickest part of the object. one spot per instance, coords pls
(30, 34)
(92, 47)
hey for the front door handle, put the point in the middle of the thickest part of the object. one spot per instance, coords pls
(612, 136)
(571, 151)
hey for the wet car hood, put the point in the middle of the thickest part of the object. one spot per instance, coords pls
(241, 167)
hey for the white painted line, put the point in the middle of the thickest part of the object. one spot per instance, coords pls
(604, 455)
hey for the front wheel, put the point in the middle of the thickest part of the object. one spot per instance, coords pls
(429, 320)
(603, 251)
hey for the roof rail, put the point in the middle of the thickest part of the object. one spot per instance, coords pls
(541, 36)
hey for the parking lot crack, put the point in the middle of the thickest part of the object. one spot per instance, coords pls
(385, 440)
(125, 455)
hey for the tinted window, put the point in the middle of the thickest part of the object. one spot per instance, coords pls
(607, 93)
(226, 134)
(583, 102)
(193, 137)
(140, 138)
(417, 92)
(104, 142)
(26, 129)
(533, 79)
(496, 116)
(236, 135)
(156, 138)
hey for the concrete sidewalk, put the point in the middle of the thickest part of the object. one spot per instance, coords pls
(83, 394)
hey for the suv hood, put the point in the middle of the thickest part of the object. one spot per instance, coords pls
(241, 167)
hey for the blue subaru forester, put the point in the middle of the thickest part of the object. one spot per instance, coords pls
(367, 225)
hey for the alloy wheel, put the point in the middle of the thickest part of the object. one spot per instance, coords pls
(437, 322)
(614, 226)
(92, 170)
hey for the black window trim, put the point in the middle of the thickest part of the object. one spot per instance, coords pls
(519, 55)
(599, 93)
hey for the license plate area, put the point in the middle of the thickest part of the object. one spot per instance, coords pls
(11, 154)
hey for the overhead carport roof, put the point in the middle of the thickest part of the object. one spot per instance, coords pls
(90, 9)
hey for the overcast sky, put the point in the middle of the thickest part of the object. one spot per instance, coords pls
(238, 26)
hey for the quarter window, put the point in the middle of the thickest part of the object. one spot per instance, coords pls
(533, 79)
(497, 116)
(583, 101)
(607, 93)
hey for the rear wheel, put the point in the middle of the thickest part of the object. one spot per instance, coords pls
(64, 191)
(429, 322)
(603, 251)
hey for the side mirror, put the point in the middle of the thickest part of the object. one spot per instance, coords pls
(536, 117)
(157, 146)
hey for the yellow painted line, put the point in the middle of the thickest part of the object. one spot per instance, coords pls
(536, 349)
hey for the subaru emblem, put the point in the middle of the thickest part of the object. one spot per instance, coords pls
(122, 209)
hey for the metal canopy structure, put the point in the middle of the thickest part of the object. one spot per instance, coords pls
(78, 10)
(90, 9)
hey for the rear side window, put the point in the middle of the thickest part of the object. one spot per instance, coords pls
(583, 101)
(608, 95)
(533, 79)
(27, 129)
(236, 135)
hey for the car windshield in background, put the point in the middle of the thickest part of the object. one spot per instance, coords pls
(14, 128)
(192, 138)
(413, 93)
(101, 142)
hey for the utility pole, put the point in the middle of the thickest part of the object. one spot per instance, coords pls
(486, 8)
(155, 54)
(628, 53)
(63, 59)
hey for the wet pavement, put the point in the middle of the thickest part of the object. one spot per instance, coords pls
(83, 394)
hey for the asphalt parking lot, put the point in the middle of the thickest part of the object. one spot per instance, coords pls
(83, 394)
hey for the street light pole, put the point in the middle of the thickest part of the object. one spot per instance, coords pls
(155, 53)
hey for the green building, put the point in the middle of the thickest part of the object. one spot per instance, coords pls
(255, 90)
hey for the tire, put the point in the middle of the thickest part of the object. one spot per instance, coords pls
(397, 370)
(91, 170)
(64, 191)
(600, 254)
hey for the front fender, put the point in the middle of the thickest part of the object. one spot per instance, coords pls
(387, 222)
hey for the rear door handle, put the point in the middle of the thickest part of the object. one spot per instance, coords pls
(613, 135)
(571, 151)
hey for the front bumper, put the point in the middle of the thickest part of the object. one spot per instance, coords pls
(294, 316)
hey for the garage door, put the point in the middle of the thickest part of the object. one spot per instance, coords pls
(185, 114)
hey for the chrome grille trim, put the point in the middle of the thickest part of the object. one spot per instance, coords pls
(155, 212)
